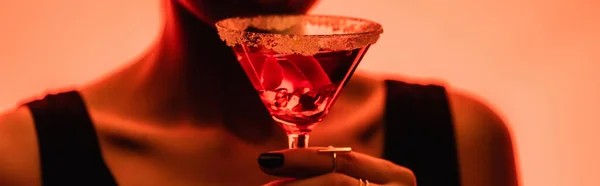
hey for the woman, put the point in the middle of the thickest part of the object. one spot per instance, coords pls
(185, 114)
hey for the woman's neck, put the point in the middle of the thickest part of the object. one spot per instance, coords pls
(190, 76)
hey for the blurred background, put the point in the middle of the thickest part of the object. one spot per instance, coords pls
(537, 62)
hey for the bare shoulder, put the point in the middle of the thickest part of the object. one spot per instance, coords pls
(19, 162)
(484, 141)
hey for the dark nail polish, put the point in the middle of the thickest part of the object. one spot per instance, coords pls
(270, 160)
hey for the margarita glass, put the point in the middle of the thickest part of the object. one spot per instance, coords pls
(299, 63)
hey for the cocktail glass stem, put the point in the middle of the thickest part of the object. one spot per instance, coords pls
(297, 141)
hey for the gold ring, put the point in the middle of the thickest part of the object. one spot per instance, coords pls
(334, 151)
(362, 182)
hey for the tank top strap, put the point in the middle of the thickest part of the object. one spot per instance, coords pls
(420, 133)
(67, 142)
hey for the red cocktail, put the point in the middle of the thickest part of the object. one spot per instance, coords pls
(299, 63)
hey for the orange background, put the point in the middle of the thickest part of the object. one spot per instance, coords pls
(536, 61)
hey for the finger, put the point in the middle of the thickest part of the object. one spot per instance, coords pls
(306, 162)
(279, 182)
(331, 179)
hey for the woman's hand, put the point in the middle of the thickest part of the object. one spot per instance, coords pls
(308, 166)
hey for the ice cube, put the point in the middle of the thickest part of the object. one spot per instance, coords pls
(311, 69)
(271, 75)
(281, 99)
(307, 101)
(281, 93)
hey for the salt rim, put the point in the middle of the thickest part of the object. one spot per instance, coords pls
(342, 33)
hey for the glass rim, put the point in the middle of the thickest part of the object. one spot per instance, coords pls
(366, 32)
(377, 28)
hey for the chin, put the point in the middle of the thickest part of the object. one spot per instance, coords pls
(211, 11)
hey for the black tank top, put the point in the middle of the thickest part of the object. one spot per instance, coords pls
(419, 135)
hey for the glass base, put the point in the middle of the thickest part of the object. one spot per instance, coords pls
(297, 141)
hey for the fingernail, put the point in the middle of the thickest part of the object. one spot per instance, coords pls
(270, 160)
